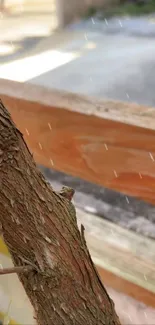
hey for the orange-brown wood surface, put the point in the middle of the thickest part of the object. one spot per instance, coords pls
(116, 155)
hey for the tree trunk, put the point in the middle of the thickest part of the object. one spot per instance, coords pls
(39, 228)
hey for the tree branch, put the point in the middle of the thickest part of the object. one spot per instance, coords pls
(17, 269)
(40, 229)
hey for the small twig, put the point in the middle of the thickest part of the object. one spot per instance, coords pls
(17, 269)
(82, 235)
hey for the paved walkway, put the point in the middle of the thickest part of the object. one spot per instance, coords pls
(110, 59)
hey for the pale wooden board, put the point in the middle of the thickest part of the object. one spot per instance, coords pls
(119, 251)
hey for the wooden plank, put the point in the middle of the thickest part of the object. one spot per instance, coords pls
(84, 137)
(125, 260)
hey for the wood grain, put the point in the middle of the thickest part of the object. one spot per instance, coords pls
(125, 260)
(83, 137)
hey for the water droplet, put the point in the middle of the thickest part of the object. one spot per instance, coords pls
(90, 209)
(115, 173)
(49, 125)
(27, 131)
(84, 305)
(12, 202)
(42, 288)
(48, 240)
(145, 314)
(140, 175)
(17, 221)
(100, 298)
(127, 200)
(25, 241)
(52, 163)
(106, 146)
(106, 21)
(145, 277)
(127, 95)
(120, 23)
(34, 287)
(127, 315)
(130, 318)
(40, 145)
(53, 307)
(43, 220)
(93, 21)
(91, 79)
(151, 156)
(86, 38)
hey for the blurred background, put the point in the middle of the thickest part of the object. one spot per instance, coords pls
(112, 40)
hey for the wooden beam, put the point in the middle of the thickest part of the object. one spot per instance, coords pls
(125, 260)
(104, 142)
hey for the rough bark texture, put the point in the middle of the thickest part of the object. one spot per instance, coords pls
(40, 230)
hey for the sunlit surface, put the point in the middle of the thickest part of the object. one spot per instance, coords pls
(24, 69)
(7, 49)
(30, 30)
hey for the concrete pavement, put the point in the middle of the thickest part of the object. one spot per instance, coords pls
(109, 59)
(116, 60)
(114, 67)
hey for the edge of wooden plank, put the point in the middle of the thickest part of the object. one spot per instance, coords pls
(125, 112)
(121, 254)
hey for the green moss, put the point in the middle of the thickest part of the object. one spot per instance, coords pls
(130, 9)
(91, 12)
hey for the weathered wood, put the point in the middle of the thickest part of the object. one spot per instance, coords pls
(125, 261)
(83, 137)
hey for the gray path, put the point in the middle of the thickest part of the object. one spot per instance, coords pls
(117, 60)
(116, 57)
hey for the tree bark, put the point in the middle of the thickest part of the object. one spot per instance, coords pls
(40, 230)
